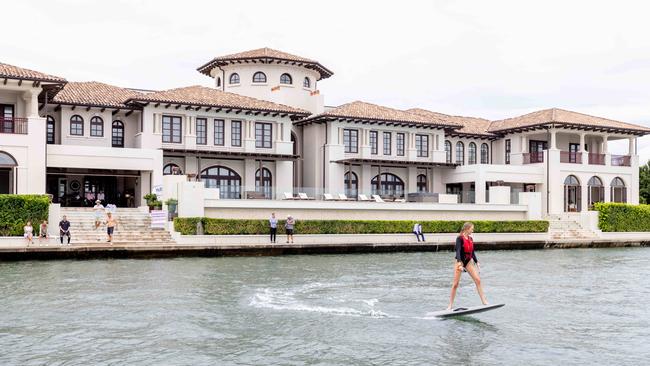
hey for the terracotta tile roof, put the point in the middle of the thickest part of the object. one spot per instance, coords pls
(372, 112)
(93, 93)
(561, 116)
(266, 55)
(203, 96)
(470, 125)
(15, 72)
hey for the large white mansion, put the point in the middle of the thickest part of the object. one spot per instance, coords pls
(263, 130)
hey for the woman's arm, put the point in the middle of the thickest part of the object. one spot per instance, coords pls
(459, 248)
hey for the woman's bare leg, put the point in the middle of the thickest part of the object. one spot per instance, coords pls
(458, 270)
(471, 269)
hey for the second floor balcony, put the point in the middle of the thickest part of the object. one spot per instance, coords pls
(13, 125)
(533, 157)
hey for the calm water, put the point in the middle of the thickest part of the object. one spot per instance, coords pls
(563, 306)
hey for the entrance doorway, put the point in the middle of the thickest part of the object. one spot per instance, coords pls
(5, 180)
(82, 189)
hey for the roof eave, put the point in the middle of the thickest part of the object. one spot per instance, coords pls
(203, 105)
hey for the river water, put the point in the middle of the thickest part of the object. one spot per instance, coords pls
(570, 307)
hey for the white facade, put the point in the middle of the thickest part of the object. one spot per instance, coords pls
(313, 158)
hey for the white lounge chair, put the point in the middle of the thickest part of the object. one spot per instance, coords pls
(343, 197)
(288, 196)
(377, 198)
(364, 198)
(303, 196)
(329, 197)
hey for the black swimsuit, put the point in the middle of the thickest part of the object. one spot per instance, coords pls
(461, 256)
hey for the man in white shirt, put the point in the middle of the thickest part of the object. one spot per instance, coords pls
(417, 230)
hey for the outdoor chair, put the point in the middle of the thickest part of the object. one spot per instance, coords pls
(343, 197)
(288, 196)
(364, 198)
(377, 198)
(329, 197)
(303, 196)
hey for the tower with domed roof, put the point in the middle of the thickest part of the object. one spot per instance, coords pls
(271, 75)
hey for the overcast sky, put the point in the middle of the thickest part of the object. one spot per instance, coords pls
(492, 59)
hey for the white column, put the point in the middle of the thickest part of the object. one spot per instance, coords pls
(631, 147)
(553, 140)
(581, 149)
(605, 151)
(524, 144)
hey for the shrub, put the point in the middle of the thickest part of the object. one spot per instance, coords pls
(614, 217)
(187, 226)
(16, 210)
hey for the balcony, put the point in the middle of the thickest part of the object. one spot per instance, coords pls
(533, 157)
(621, 160)
(13, 125)
(570, 157)
(596, 159)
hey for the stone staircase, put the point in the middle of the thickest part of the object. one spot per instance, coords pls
(133, 227)
(565, 227)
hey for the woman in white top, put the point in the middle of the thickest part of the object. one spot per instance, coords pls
(98, 209)
(29, 233)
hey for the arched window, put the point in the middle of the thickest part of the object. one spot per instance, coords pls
(472, 153)
(7, 165)
(117, 134)
(76, 125)
(286, 79)
(226, 179)
(218, 81)
(485, 154)
(6, 160)
(259, 77)
(234, 78)
(572, 194)
(50, 129)
(618, 191)
(97, 127)
(390, 185)
(596, 191)
(306, 83)
(460, 153)
(448, 151)
(422, 183)
(265, 183)
(351, 187)
(172, 169)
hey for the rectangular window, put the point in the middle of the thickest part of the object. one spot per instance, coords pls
(508, 149)
(351, 141)
(373, 143)
(171, 129)
(201, 131)
(235, 133)
(387, 143)
(422, 145)
(400, 144)
(263, 135)
(219, 132)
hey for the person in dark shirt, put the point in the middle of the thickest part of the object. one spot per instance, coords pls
(464, 257)
(64, 229)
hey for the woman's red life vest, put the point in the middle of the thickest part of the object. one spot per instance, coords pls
(468, 247)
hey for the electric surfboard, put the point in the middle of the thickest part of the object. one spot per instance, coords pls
(464, 311)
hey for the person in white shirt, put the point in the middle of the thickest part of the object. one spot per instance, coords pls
(273, 226)
(28, 233)
(417, 230)
(98, 210)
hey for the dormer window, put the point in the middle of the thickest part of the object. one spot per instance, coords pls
(259, 77)
(286, 79)
(306, 83)
(234, 78)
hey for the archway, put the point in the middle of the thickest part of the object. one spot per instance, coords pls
(7, 165)
(226, 179)
(572, 194)
(596, 191)
(388, 185)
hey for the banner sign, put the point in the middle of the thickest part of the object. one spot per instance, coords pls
(158, 219)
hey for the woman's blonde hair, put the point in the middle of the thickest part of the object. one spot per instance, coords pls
(466, 227)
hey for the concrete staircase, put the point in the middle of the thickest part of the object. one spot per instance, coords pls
(133, 227)
(565, 227)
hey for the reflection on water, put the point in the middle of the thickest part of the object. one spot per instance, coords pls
(562, 306)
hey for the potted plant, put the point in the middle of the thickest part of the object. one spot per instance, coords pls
(152, 201)
(171, 203)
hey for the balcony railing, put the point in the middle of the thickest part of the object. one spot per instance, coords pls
(15, 125)
(533, 157)
(621, 160)
(571, 157)
(596, 159)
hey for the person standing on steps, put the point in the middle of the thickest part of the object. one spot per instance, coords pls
(273, 226)
(464, 257)
(64, 229)
(417, 230)
(288, 226)
(111, 224)
(98, 211)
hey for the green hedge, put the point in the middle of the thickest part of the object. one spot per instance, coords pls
(187, 226)
(614, 217)
(16, 210)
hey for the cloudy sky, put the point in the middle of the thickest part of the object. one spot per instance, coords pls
(492, 59)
